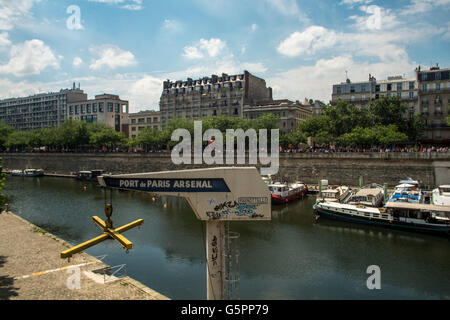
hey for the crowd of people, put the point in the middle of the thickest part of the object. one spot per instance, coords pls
(398, 149)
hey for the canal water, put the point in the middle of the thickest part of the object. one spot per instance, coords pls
(290, 257)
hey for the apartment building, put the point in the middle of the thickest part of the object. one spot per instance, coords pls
(212, 96)
(144, 119)
(105, 108)
(38, 111)
(290, 113)
(434, 98)
(361, 93)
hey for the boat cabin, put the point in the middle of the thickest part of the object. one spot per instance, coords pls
(419, 213)
(370, 197)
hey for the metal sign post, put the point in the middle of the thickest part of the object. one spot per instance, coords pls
(216, 195)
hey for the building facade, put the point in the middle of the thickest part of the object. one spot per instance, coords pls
(106, 108)
(434, 98)
(39, 111)
(361, 93)
(290, 113)
(212, 96)
(142, 120)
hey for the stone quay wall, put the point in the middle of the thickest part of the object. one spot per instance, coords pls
(338, 168)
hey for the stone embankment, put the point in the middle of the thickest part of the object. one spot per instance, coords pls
(339, 168)
(31, 269)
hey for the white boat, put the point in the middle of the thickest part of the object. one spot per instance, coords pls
(28, 173)
(371, 197)
(335, 194)
(399, 215)
(407, 191)
(441, 196)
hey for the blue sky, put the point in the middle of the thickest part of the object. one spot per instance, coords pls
(128, 47)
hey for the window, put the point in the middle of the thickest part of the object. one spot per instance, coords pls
(124, 108)
(110, 107)
(155, 119)
(88, 108)
(94, 107)
(71, 110)
(389, 87)
(438, 86)
(425, 87)
(399, 86)
(352, 89)
(141, 120)
(411, 85)
(100, 107)
(133, 128)
(133, 121)
(117, 108)
(411, 95)
(399, 94)
(83, 108)
(338, 90)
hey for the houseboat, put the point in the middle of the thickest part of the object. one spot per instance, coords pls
(370, 197)
(407, 191)
(335, 194)
(89, 175)
(28, 173)
(284, 193)
(441, 196)
(399, 215)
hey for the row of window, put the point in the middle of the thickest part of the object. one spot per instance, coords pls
(143, 120)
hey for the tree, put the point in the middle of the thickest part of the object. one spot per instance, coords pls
(18, 139)
(107, 137)
(5, 131)
(2, 184)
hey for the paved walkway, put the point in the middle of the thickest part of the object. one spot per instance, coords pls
(31, 269)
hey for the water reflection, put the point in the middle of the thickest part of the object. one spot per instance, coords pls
(290, 257)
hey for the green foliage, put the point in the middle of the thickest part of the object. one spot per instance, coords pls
(2, 184)
(367, 137)
(5, 131)
(349, 125)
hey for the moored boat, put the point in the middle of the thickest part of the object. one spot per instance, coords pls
(407, 191)
(367, 196)
(399, 215)
(335, 194)
(441, 196)
(284, 193)
(28, 173)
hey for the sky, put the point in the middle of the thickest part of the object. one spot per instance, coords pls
(129, 47)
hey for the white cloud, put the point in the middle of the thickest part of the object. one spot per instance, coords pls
(316, 81)
(145, 93)
(205, 48)
(77, 61)
(12, 12)
(286, 7)
(30, 58)
(112, 57)
(4, 41)
(308, 41)
(171, 26)
(254, 27)
(125, 4)
(421, 6)
(352, 3)
(377, 18)
(289, 8)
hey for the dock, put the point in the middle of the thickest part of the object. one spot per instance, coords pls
(31, 269)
